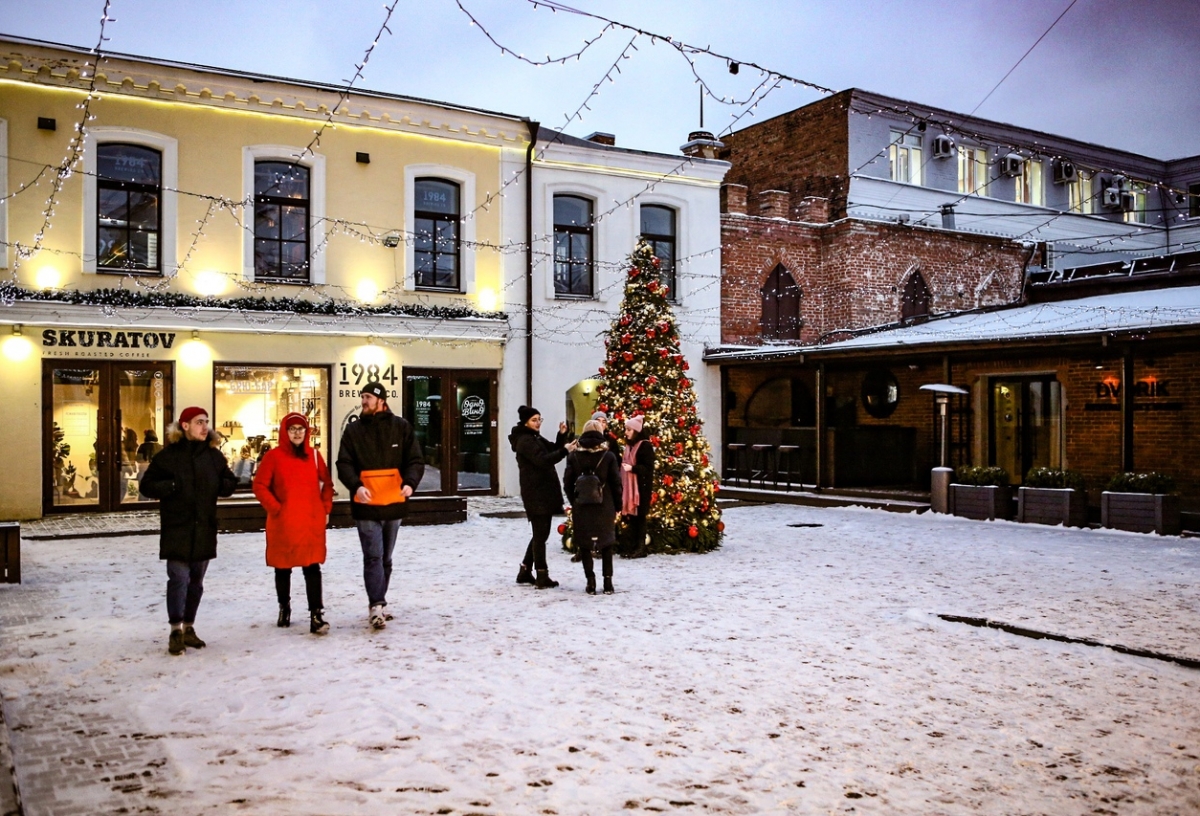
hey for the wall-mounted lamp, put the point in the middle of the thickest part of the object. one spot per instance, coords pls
(47, 123)
(371, 340)
(195, 334)
(17, 330)
(362, 158)
(391, 240)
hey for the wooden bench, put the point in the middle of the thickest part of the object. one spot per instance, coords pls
(250, 517)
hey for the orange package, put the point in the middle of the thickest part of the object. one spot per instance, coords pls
(384, 486)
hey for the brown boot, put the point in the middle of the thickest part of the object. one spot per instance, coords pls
(543, 580)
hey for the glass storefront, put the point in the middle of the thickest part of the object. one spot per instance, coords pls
(250, 401)
(453, 414)
(1026, 427)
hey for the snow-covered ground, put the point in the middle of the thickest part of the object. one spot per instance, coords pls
(797, 669)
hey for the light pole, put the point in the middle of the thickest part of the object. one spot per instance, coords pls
(939, 479)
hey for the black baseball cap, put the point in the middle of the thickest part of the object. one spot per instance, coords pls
(375, 390)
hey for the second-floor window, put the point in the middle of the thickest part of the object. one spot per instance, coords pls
(904, 156)
(128, 208)
(780, 306)
(658, 230)
(281, 206)
(972, 170)
(1139, 199)
(1194, 201)
(436, 239)
(1029, 185)
(1081, 193)
(573, 233)
(914, 299)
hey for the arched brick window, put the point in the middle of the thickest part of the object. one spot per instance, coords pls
(780, 306)
(914, 300)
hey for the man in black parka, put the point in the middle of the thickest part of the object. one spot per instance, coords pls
(378, 440)
(541, 492)
(186, 477)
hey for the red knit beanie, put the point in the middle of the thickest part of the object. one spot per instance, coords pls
(191, 413)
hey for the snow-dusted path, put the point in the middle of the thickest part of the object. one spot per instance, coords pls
(795, 670)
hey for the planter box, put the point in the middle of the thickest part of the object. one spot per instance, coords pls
(973, 502)
(1052, 505)
(1141, 512)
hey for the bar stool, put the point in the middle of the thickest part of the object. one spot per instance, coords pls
(735, 461)
(786, 462)
(761, 463)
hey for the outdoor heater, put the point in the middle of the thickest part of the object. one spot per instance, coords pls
(939, 481)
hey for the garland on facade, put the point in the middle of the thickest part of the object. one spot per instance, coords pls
(644, 374)
(127, 299)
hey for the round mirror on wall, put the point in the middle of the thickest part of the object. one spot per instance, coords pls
(880, 393)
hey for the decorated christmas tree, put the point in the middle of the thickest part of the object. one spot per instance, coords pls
(645, 374)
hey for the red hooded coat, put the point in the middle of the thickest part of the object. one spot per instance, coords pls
(297, 493)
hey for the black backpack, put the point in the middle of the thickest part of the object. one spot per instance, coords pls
(589, 489)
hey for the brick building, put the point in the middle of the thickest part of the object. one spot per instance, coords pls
(861, 234)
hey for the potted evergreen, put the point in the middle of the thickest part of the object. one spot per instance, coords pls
(1141, 503)
(981, 493)
(1051, 496)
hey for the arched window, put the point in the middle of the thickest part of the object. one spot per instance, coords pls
(914, 300)
(658, 230)
(128, 215)
(281, 205)
(780, 306)
(573, 232)
(435, 248)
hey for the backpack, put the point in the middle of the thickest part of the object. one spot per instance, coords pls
(589, 489)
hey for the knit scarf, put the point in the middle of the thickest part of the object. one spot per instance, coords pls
(629, 494)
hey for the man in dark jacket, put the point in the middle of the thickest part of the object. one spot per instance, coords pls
(379, 440)
(541, 492)
(186, 477)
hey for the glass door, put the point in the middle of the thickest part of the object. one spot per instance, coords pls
(474, 402)
(423, 408)
(103, 422)
(454, 416)
(1025, 425)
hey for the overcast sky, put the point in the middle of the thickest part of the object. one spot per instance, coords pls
(1120, 73)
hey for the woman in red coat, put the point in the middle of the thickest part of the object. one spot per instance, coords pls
(294, 486)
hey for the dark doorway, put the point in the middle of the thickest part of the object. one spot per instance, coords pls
(453, 413)
(1025, 427)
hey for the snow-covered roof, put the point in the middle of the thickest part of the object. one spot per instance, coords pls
(1122, 312)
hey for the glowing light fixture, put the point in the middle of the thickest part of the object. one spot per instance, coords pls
(194, 354)
(17, 348)
(48, 278)
(210, 283)
(488, 300)
(367, 291)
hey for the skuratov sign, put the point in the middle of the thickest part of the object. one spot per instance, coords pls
(94, 339)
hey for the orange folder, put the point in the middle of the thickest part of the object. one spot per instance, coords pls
(384, 486)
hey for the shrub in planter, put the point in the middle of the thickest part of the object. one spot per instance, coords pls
(981, 493)
(1050, 496)
(1141, 503)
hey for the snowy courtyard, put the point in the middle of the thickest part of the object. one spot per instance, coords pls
(797, 669)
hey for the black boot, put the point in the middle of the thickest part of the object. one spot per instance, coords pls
(543, 580)
(591, 583)
(525, 575)
(316, 623)
(608, 587)
(285, 616)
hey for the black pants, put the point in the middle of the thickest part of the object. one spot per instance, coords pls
(312, 586)
(606, 560)
(535, 553)
(637, 526)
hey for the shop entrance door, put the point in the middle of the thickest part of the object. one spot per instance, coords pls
(453, 413)
(1026, 428)
(101, 424)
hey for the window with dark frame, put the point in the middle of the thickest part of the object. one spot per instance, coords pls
(436, 234)
(658, 230)
(281, 223)
(128, 208)
(1194, 200)
(914, 300)
(573, 239)
(780, 306)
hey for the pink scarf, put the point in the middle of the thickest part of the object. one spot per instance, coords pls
(629, 496)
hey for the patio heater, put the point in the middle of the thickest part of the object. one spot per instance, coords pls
(939, 481)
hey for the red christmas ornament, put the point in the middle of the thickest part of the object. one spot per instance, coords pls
(704, 506)
(720, 526)
(679, 449)
(625, 319)
(656, 262)
(646, 403)
(626, 339)
(601, 372)
(562, 528)
(650, 333)
(653, 286)
(655, 441)
(684, 383)
(663, 353)
(695, 430)
(681, 422)
(685, 365)
(668, 480)
(654, 498)
(664, 327)
(638, 388)
(677, 498)
(703, 460)
(633, 271)
(652, 380)
(628, 356)
(602, 407)
(716, 487)
(693, 531)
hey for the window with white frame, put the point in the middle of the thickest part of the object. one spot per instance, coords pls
(904, 157)
(435, 239)
(1030, 185)
(281, 221)
(658, 230)
(1081, 193)
(972, 170)
(1139, 194)
(128, 208)
(574, 235)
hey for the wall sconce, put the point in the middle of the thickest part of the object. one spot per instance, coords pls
(391, 240)
(47, 278)
(371, 340)
(195, 334)
(17, 330)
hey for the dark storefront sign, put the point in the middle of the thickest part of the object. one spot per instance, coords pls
(1149, 394)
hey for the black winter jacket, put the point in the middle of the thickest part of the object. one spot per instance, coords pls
(379, 442)
(187, 477)
(643, 470)
(594, 524)
(536, 458)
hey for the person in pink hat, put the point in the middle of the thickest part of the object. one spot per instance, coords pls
(187, 477)
(637, 479)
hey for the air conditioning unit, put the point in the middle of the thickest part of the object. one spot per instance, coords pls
(1012, 164)
(1120, 182)
(943, 147)
(1064, 172)
(1111, 198)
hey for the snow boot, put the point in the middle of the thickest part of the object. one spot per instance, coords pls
(608, 587)
(190, 639)
(175, 645)
(591, 583)
(544, 581)
(525, 575)
(316, 623)
(285, 616)
(376, 617)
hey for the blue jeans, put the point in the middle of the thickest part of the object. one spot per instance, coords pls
(185, 586)
(378, 539)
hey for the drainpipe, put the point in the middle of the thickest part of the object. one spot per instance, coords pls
(533, 136)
